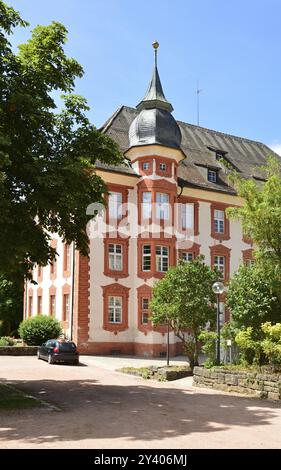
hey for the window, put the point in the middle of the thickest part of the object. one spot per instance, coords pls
(219, 221)
(249, 262)
(115, 206)
(39, 304)
(30, 305)
(219, 263)
(115, 257)
(146, 258)
(145, 166)
(187, 256)
(52, 305)
(162, 167)
(115, 309)
(162, 258)
(187, 216)
(212, 176)
(162, 206)
(66, 260)
(146, 205)
(144, 310)
(66, 307)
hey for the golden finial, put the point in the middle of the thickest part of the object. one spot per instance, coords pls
(155, 46)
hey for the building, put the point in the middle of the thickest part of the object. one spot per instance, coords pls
(168, 202)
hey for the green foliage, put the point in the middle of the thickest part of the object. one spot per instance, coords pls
(47, 158)
(11, 303)
(252, 299)
(209, 339)
(185, 298)
(261, 216)
(7, 341)
(36, 330)
(265, 351)
(250, 348)
(271, 344)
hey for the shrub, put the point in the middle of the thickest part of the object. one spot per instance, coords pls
(35, 331)
(271, 344)
(251, 348)
(209, 339)
(7, 341)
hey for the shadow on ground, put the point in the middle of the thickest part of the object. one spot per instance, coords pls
(91, 410)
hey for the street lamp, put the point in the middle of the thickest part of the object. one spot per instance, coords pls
(218, 289)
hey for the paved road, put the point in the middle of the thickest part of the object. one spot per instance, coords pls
(101, 408)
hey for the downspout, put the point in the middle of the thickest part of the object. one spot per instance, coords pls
(72, 291)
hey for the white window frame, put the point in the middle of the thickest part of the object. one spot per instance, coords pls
(146, 205)
(115, 257)
(115, 305)
(144, 311)
(212, 176)
(162, 258)
(219, 221)
(187, 216)
(146, 165)
(145, 257)
(162, 206)
(115, 204)
(163, 166)
(66, 306)
(187, 256)
(219, 263)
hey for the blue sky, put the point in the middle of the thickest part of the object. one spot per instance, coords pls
(232, 47)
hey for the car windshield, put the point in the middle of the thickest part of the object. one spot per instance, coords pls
(67, 346)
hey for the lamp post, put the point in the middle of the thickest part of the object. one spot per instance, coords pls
(218, 289)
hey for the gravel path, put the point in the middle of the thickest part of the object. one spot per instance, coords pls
(101, 408)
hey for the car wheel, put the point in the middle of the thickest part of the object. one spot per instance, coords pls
(50, 359)
(76, 362)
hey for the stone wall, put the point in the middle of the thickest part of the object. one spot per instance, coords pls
(18, 350)
(261, 385)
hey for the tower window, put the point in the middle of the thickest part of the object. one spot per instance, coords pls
(162, 166)
(212, 176)
(145, 166)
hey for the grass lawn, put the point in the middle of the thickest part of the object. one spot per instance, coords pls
(13, 399)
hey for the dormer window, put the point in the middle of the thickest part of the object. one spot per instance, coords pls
(162, 167)
(212, 176)
(219, 155)
(145, 166)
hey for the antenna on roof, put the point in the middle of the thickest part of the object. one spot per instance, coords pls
(198, 91)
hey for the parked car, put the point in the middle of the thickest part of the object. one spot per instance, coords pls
(55, 350)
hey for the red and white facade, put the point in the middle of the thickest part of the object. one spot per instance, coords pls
(149, 224)
(105, 299)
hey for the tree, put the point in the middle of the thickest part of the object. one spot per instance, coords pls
(251, 299)
(11, 304)
(184, 297)
(261, 216)
(47, 158)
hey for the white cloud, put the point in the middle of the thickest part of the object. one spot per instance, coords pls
(276, 146)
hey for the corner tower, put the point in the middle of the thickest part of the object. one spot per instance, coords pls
(154, 131)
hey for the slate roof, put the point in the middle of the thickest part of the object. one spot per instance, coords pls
(199, 145)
